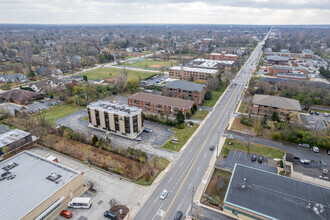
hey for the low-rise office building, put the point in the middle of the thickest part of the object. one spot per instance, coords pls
(267, 104)
(13, 139)
(191, 73)
(185, 90)
(257, 194)
(212, 64)
(33, 187)
(157, 103)
(115, 118)
(289, 72)
(223, 56)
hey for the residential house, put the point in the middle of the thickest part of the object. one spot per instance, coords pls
(12, 78)
(19, 96)
(43, 71)
(46, 85)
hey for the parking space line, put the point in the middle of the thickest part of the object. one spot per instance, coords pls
(234, 153)
(239, 154)
(245, 156)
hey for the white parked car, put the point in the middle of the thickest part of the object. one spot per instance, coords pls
(164, 194)
(304, 161)
(326, 114)
(316, 149)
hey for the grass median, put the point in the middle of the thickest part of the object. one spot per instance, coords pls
(183, 136)
(254, 148)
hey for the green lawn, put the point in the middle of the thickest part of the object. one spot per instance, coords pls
(320, 110)
(60, 111)
(85, 118)
(215, 96)
(145, 64)
(200, 115)
(183, 135)
(104, 72)
(254, 148)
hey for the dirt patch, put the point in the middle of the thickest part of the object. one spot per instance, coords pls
(156, 66)
(216, 189)
(120, 210)
(238, 126)
(109, 161)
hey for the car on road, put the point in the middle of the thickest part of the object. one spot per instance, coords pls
(147, 130)
(260, 158)
(110, 215)
(304, 145)
(178, 215)
(211, 147)
(163, 194)
(253, 157)
(316, 149)
(138, 138)
(304, 161)
(228, 90)
(66, 214)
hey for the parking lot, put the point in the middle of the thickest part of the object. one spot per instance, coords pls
(244, 158)
(159, 135)
(313, 121)
(155, 79)
(108, 187)
(38, 106)
(314, 169)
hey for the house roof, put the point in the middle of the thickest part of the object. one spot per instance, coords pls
(276, 102)
(163, 100)
(18, 95)
(274, 196)
(185, 85)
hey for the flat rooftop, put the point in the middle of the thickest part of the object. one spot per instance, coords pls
(192, 69)
(276, 197)
(115, 108)
(26, 184)
(12, 136)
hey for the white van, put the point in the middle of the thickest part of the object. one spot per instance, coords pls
(80, 203)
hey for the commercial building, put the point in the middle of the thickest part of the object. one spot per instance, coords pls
(19, 96)
(276, 60)
(306, 53)
(13, 139)
(157, 103)
(223, 56)
(185, 90)
(267, 104)
(257, 194)
(33, 187)
(118, 119)
(190, 73)
(212, 64)
(289, 72)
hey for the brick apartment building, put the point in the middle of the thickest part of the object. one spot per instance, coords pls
(289, 72)
(223, 56)
(189, 73)
(157, 103)
(185, 90)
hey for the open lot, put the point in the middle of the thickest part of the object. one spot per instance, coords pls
(159, 135)
(151, 64)
(108, 187)
(108, 72)
(235, 156)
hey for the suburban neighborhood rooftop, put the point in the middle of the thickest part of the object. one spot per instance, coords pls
(276, 197)
(30, 183)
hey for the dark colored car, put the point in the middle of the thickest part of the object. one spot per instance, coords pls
(110, 215)
(146, 130)
(311, 112)
(41, 101)
(260, 158)
(178, 215)
(317, 113)
(253, 157)
(66, 214)
(211, 147)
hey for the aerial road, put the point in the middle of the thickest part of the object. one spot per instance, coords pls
(187, 173)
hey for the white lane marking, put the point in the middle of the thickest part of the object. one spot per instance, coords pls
(159, 211)
(197, 169)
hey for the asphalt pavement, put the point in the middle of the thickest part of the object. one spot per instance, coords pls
(186, 174)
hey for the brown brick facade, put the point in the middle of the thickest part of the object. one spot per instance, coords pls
(197, 97)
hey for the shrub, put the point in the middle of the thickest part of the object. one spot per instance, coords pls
(195, 107)
(208, 95)
(180, 126)
(117, 171)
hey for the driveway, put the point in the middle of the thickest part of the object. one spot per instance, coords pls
(108, 187)
(244, 158)
(159, 135)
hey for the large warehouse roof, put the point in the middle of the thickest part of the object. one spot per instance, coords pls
(26, 180)
(276, 197)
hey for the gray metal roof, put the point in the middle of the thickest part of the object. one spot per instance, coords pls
(12, 136)
(274, 196)
(29, 188)
(276, 102)
(185, 85)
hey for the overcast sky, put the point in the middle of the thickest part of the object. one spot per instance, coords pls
(166, 11)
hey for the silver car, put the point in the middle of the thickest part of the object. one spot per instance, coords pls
(163, 194)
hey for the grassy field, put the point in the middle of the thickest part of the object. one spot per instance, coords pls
(85, 118)
(215, 96)
(145, 64)
(102, 73)
(60, 111)
(254, 148)
(200, 115)
(183, 135)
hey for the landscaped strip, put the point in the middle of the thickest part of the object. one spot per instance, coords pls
(183, 136)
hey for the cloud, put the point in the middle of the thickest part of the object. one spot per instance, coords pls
(166, 11)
